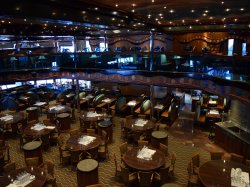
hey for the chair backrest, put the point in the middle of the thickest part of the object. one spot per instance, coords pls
(145, 178)
(124, 174)
(190, 168)
(248, 163)
(32, 161)
(120, 102)
(145, 106)
(73, 132)
(216, 155)
(164, 149)
(50, 167)
(196, 160)
(123, 148)
(236, 158)
(142, 143)
(164, 176)
(98, 99)
(82, 95)
(173, 158)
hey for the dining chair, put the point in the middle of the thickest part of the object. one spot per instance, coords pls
(74, 132)
(64, 156)
(124, 131)
(46, 141)
(248, 163)
(143, 143)
(172, 166)
(11, 166)
(193, 179)
(236, 158)
(83, 125)
(117, 168)
(126, 176)
(50, 178)
(164, 149)
(103, 152)
(196, 163)
(74, 157)
(145, 178)
(216, 155)
(162, 175)
(91, 131)
(123, 148)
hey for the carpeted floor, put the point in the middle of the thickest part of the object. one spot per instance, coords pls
(184, 142)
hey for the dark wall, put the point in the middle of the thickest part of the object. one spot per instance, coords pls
(239, 113)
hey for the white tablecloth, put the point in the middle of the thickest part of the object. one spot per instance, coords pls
(140, 122)
(132, 103)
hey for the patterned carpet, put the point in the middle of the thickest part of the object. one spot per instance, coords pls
(181, 142)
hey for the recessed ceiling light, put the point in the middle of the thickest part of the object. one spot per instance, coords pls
(133, 5)
(211, 17)
(183, 21)
(190, 27)
(242, 9)
(83, 12)
(204, 14)
(227, 10)
(171, 11)
(169, 28)
(116, 5)
(114, 12)
(224, 26)
(160, 14)
(165, 7)
(222, 2)
(133, 10)
(96, 8)
(17, 8)
(197, 20)
(192, 11)
(206, 11)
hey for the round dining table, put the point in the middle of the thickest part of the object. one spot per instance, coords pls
(218, 172)
(59, 109)
(73, 143)
(92, 116)
(39, 180)
(131, 160)
(12, 119)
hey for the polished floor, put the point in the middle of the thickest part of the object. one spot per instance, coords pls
(184, 138)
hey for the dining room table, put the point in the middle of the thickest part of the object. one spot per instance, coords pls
(93, 117)
(144, 158)
(220, 172)
(12, 120)
(27, 176)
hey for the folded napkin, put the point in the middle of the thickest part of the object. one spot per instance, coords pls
(146, 153)
(38, 127)
(7, 118)
(106, 100)
(50, 127)
(159, 106)
(239, 178)
(140, 122)
(85, 140)
(132, 103)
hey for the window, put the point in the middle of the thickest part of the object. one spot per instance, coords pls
(88, 45)
(230, 47)
(103, 46)
(244, 49)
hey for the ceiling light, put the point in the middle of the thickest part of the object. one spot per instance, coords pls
(197, 20)
(224, 26)
(206, 11)
(204, 14)
(235, 19)
(116, 5)
(190, 27)
(133, 5)
(222, 2)
(211, 17)
(183, 21)
(160, 14)
(153, 1)
(17, 8)
(133, 10)
(165, 7)
(96, 8)
(114, 12)
(169, 28)
(83, 12)
(227, 10)
(192, 11)
(242, 9)
(171, 11)
(98, 18)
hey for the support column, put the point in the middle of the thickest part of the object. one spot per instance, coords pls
(77, 96)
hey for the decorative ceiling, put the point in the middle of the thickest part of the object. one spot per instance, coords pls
(115, 17)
